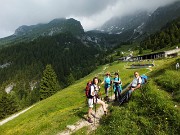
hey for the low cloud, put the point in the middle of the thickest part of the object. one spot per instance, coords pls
(91, 13)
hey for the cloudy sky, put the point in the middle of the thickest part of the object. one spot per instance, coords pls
(91, 13)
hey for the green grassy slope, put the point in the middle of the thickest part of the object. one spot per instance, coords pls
(151, 110)
(66, 107)
(52, 115)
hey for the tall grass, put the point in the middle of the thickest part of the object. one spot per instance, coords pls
(66, 107)
(170, 81)
(149, 112)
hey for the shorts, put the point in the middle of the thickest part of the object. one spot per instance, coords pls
(107, 86)
(92, 101)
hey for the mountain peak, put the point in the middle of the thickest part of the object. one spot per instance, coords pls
(58, 25)
(21, 30)
(57, 20)
(140, 23)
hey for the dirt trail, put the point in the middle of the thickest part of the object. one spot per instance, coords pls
(14, 116)
(82, 123)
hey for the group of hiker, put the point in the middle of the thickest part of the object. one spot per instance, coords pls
(92, 90)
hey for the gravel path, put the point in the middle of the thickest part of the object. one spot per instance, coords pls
(14, 116)
(82, 123)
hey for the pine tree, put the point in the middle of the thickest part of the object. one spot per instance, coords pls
(70, 79)
(140, 50)
(111, 59)
(8, 105)
(49, 84)
(118, 53)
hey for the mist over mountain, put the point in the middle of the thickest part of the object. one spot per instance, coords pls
(162, 16)
(134, 26)
(142, 22)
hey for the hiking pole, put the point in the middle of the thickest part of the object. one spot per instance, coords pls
(111, 92)
(95, 107)
(111, 89)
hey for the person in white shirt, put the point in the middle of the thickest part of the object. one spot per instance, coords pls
(177, 66)
(94, 99)
(136, 84)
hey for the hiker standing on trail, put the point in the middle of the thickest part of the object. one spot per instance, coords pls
(136, 83)
(107, 85)
(177, 66)
(117, 86)
(93, 99)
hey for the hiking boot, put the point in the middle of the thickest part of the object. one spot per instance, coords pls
(108, 99)
(89, 120)
(115, 99)
(105, 113)
(105, 98)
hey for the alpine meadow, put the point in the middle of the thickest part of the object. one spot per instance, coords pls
(58, 78)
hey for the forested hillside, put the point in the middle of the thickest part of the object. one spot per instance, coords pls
(25, 63)
(167, 37)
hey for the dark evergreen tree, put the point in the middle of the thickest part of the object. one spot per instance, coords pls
(49, 83)
(111, 59)
(7, 105)
(118, 53)
(140, 50)
(70, 79)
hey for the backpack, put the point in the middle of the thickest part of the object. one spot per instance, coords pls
(87, 89)
(118, 80)
(144, 79)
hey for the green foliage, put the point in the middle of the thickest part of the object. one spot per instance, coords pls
(70, 79)
(49, 84)
(64, 52)
(8, 105)
(140, 50)
(69, 57)
(168, 36)
(118, 53)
